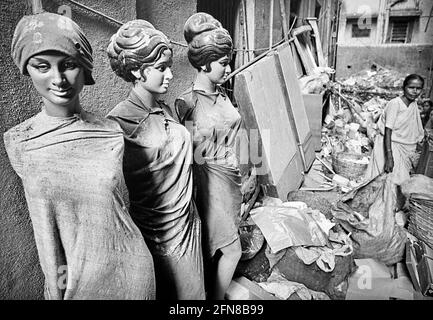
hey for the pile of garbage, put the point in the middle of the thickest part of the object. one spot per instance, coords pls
(375, 82)
(355, 106)
(296, 249)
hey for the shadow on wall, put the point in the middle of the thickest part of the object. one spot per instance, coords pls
(20, 273)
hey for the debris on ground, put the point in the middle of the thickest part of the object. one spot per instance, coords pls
(318, 243)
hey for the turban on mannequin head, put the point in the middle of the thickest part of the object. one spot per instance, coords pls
(47, 31)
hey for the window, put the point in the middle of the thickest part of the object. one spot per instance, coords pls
(399, 31)
(357, 32)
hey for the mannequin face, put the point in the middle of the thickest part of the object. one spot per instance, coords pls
(220, 70)
(59, 79)
(159, 75)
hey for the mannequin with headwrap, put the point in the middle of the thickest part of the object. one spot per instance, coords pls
(215, 124)
(70, 163)
(157, 161)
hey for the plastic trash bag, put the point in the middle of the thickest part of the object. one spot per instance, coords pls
(251, 239)
(367, 212)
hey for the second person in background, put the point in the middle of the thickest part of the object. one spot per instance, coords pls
(215, 125)
(157, 161)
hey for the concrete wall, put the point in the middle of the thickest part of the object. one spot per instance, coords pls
(346, 35)
(20, 274)
(169, 16)
(405, 58)
(362, 8)
(420, 35)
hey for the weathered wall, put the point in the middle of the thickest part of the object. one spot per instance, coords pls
(405, 58)
(169, 16)
(362, 10)
(20, 274)
(420, 34)
(345, 35)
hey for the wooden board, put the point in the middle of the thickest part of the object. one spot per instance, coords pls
(261, 99)
(295, 104)
(313, 107)
(319, 50)
(297, 60)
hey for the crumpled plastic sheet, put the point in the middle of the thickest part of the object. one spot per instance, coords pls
(293, 224)
(418, 186)
(284, 289)
(367, 212)
(284, 227)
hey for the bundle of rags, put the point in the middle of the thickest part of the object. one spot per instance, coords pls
(294, 242)
(287, 263)
(368, 213)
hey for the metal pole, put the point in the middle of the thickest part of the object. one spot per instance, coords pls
(271, 23)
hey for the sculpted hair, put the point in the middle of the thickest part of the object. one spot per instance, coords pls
(207, 40)
(136, 46)
(411, 77)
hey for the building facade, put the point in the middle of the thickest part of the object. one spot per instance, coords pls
(397, 34)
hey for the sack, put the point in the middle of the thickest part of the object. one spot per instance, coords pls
(368, 213)
(251, 239)
(334, 283)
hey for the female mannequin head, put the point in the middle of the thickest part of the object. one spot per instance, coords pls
(56, 54)
(208, 43)
(141, 54)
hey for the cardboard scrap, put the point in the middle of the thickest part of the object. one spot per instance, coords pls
(373, 281)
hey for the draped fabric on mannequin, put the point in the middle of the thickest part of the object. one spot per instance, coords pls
(215, 126)
(157, 170)
(88, 245)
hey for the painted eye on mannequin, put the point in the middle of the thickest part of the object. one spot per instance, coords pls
(43, 67)
(70, 65)
(224, 63)
(161, 68)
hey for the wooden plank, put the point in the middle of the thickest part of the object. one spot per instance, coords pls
(298, 65)
(309, 65)
(250, 22)
(284, 20)
(296, 102)
(300, 30)
(319, 50)
(313, 108)
(295, 105)
(260, 96)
